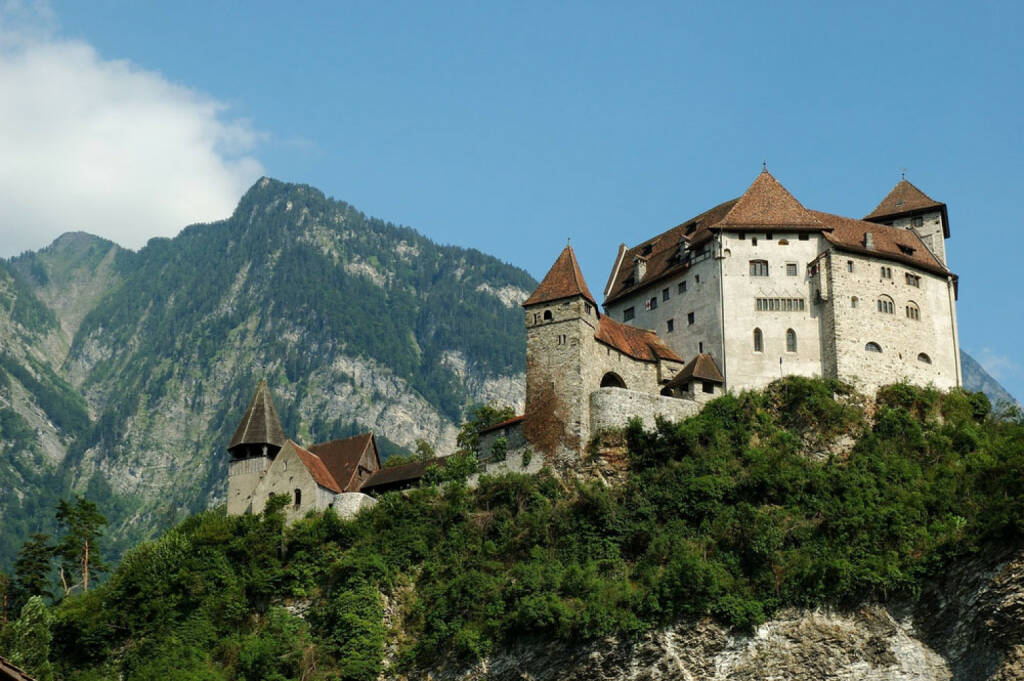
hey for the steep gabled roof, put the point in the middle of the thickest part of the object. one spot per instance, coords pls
(702, 368)
(766, 204)
(260, 425)
(637, 343)
(563, 280)
(342, 457)
(315, 465)
(903, 199)
(889, 243)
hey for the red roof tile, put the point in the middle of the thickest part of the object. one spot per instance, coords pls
(637, 343)
(342, 457)
(766, 203)
(316, 468)
(904, 198)
(702, 367)
(848, 234)
(563, 280)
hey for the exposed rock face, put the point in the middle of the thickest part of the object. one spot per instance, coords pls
(969, 626)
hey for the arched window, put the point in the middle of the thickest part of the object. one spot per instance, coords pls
(758, 341)
(790, 340)
(612, 380)
(853, 301)
(873, 347)
(759, 268)
(924, 358)
(548, 316)
(913, 311)
(298, 496)
(885, 305)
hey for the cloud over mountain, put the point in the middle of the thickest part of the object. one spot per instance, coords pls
(106, 146)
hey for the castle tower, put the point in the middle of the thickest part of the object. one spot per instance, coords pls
(561, 320)
(257, 440)
(908, 207)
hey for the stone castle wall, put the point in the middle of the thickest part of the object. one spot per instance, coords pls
(612, 408)
(902, 339)
(243, 476)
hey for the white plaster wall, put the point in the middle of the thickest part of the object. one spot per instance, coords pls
(743, 367)
(702, 298)
(901, 338)
(614, 407)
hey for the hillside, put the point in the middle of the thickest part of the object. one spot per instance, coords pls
(123, 372)
(802, 532)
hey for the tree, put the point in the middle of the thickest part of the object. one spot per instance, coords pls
(30, 640)
(32, 568)
(423, 451)
(6, 585)
(78, 548)
(482, 416)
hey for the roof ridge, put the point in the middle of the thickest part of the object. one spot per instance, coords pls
(767, 203)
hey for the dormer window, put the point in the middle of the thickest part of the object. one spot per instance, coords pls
(647, 249)
(906, 250)
(691, 228)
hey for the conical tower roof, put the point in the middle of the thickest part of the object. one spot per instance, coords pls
(260, 425)
(904, 198)
(563, 280)
(766, 203)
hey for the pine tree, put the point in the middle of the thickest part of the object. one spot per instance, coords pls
(32, 568)
(78, 548)
(30, 640)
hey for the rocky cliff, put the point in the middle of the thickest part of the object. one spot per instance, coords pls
(966, 626)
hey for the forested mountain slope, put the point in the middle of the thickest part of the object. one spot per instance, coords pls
(138, 364)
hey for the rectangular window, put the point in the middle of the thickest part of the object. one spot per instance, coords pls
(707, 386)
(768, 236)
(664, 294)
(671, 324)
(779, 304)
(753, 241)
(917, 222)
(849, 265)
(791, 269)
(743, 236)
(682, 286)
(700, 347)
(886, 272)
(628, 314)
(913, 280)
(652, 303)
(759, 268)
(804, 236)
(689, 318)
(696, 279)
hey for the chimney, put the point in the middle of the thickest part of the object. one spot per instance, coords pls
(869, 241)
(639, 268)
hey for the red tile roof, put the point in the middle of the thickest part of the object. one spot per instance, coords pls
(848, 234)
(316, 468)
(636, 342)
(342, 457)
(904, 198)
(702, 367)
(766, 203)
(563, 280)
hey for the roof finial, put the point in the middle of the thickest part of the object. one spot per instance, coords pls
(764, 166)
(903, 174)
(568, 241)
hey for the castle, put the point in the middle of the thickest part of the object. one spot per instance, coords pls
(753, 289)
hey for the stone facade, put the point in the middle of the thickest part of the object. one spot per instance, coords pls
(612, 408)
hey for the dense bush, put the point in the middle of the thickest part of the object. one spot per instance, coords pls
(722, 515)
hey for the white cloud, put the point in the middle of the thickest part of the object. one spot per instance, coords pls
(104, 146)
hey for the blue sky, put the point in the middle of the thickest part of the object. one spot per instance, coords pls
(512, 127)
